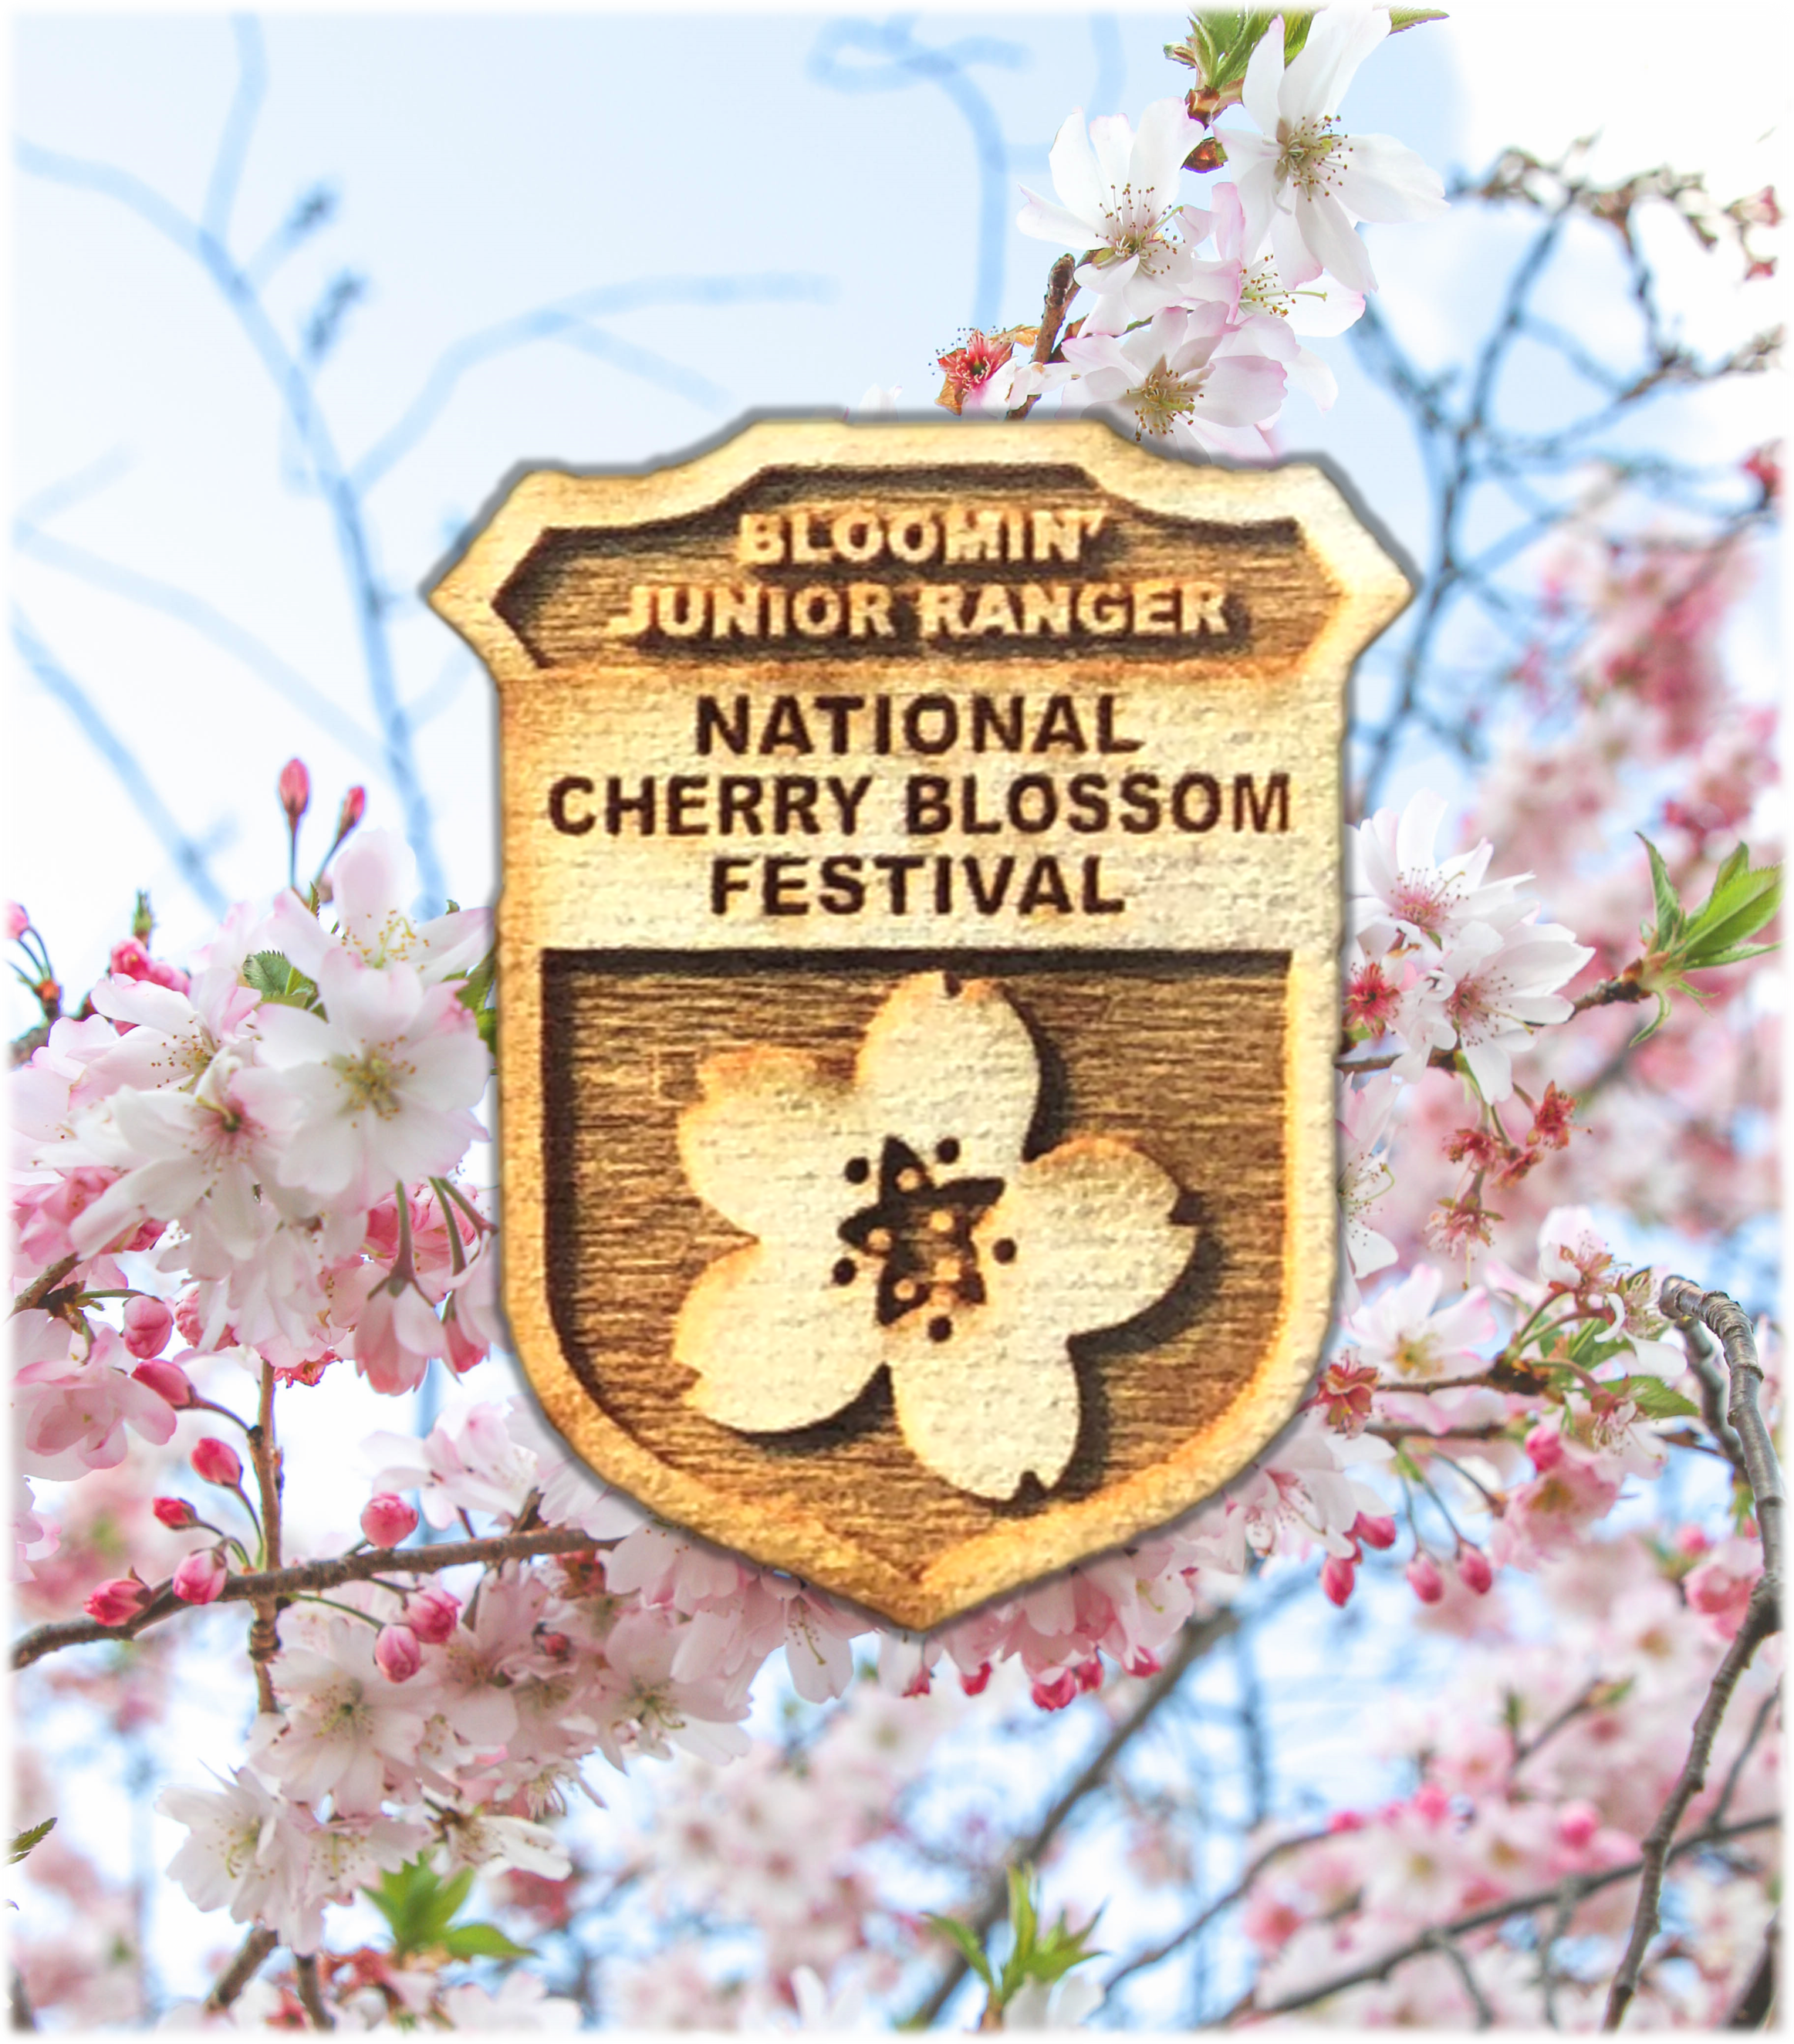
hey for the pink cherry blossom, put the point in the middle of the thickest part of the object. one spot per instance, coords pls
(70, 1411)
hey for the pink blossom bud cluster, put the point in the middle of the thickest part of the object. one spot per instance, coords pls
(1541, 1761)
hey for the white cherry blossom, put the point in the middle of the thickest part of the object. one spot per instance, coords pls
(1484, 995)
(900, 1224)
(1116, 194)
(1303, 181)
(382, 1086)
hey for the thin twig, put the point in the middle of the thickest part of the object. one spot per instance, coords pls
(1061, 282)
(1760, 1621)
(287, 1583)
(1735, 1773)
(242, 1969)
(1196, 1641)
(1447, 1948)
(311, 1997)
(1756, 2001)
(1499, 1912)
(1198, 1923)
(16, 2020)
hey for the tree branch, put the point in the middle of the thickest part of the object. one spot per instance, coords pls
(16, 2020)
(1762, 1617)
(281, 1585)
(1205, 1916)
(311, 1996)
(1196, 1641)
(1498, 1912)
(242, 1969)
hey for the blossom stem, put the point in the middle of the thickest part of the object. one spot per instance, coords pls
(264, 1639)
(1061, 281)
(458, 1256)
(366, 1617)
(273, 1587)
(481, 1225)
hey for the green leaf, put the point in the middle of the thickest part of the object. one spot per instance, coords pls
(24, 1841)
(1669, 908)
(1412, 18)
(1655, 1399)
(275, 978)
(960, 1936)
(481, 1941)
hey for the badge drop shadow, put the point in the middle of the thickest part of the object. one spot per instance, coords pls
(1093, 1355)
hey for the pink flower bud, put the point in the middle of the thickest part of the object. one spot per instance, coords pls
(1374, 1532)
(295, 785)
(17, 922)
(200, 1576)
(975, 1686)
(432, 1615)
(1691, 1540)
(1141, 1664)
(1544, 1448)
(216, 1461)
(1339, 1574)
(556, 1645)
(354, 803)
(1089, 1674)
(386, 1520)
(148, 1323)
(1577, 1823)
(1424, 1579)
(167, 1380)
(114, 1602)
(397, 1654)
(174, 1512)
(1345, 1820)
(1055, 1691)
(1474, 1570)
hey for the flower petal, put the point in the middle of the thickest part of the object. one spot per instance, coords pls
(776, 1343)
(1094, 1241)
(950, 1059)
(983, 1411)
(769, 1143)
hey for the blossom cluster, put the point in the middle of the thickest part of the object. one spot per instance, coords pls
(1187, 315)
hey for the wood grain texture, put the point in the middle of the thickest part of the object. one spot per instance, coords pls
(1183, 991)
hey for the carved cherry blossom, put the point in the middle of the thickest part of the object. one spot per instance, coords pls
(900, 1225)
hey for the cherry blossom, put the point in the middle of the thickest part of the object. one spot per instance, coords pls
(1302, 180)
(1190, 376)
(382, 1082)
(1117, 194)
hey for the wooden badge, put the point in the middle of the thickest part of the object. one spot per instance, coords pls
(918, 981)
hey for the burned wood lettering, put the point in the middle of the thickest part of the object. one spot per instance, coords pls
(917, 973)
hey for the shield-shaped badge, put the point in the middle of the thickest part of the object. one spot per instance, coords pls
(918, 981)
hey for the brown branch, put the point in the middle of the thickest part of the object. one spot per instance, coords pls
(1525, 1748)
(283, 1585)
(1606, 993)
(1762, 1617)
(1756, 2001)
(1061, 282)
(1735, 1773)
(1205, 1916)
(1708, 1374)
(1498, 1912)
(242, 1969)
(264, 1640)
(1729, 1321)
(39, 1289)
(1447, 1949)
(16, 2020)
(21, 1049)
(311, 1997)
(1196, 1641)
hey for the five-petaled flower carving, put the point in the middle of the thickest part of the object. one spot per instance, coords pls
(900, 1223)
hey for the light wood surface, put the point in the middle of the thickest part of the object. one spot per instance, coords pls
(1179, 981)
